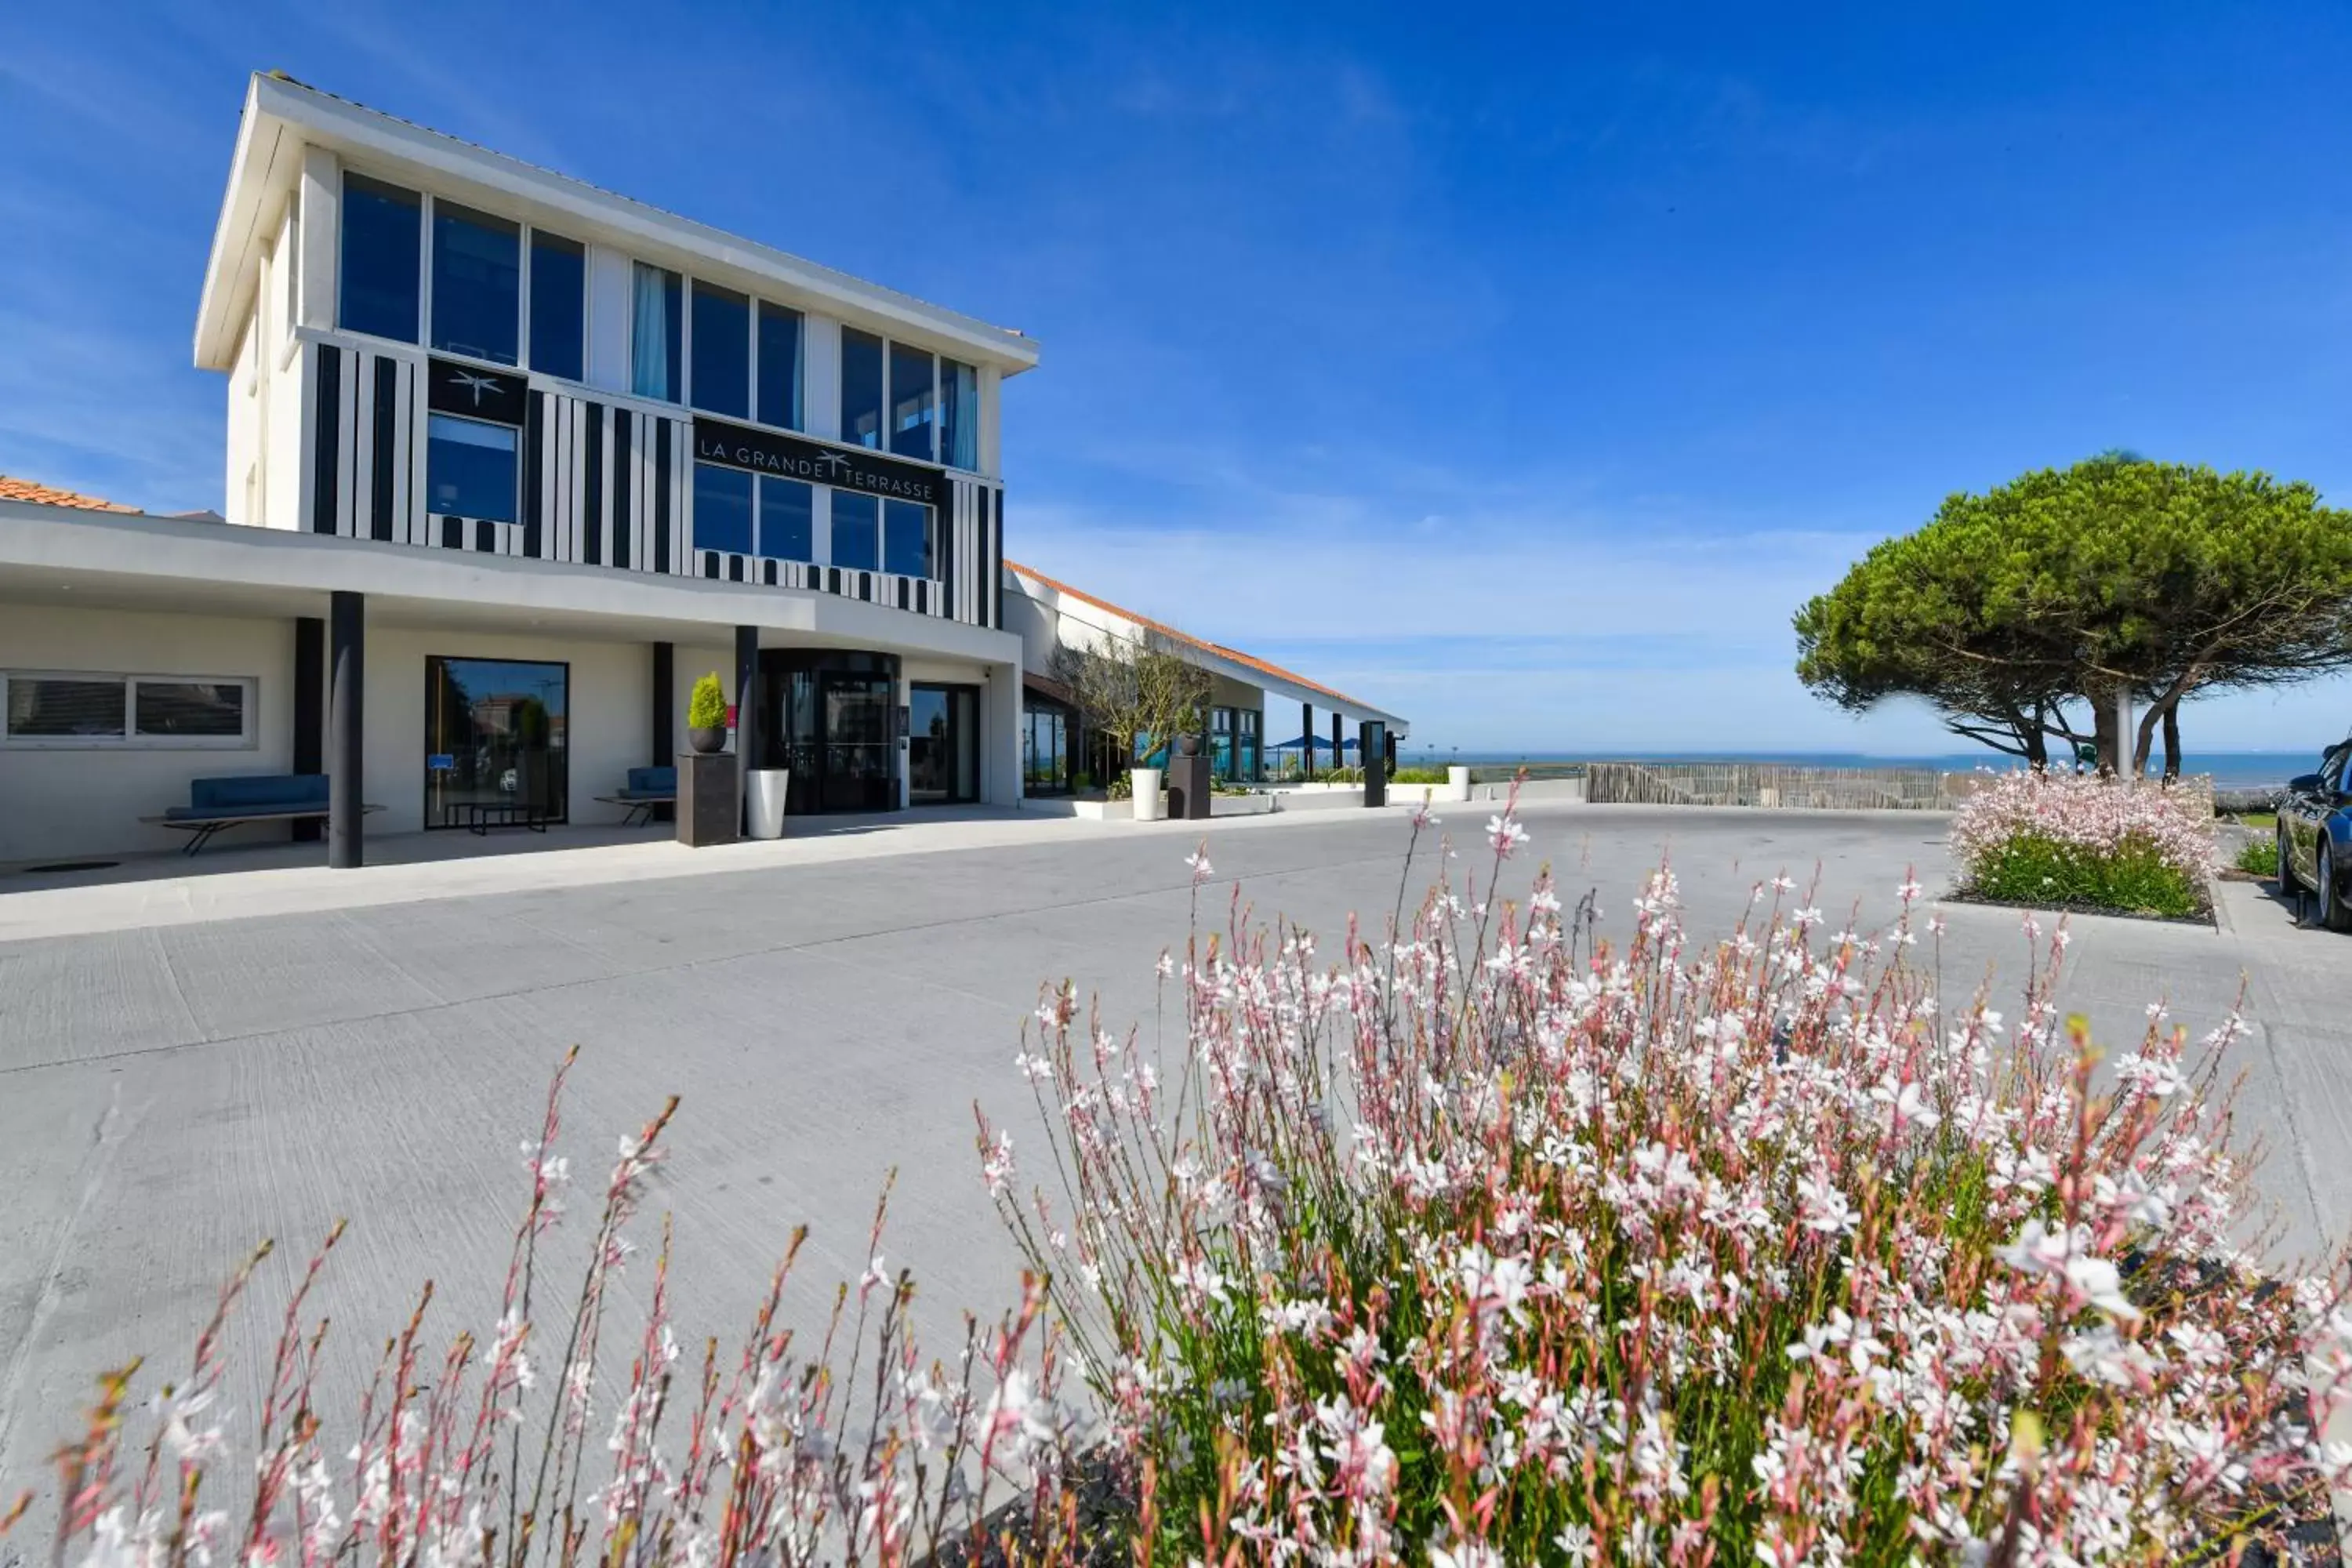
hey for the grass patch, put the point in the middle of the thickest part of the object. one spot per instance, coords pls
(2258, 856)
(2133, 877)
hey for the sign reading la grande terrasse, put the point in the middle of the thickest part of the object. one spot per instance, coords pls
(845, 468)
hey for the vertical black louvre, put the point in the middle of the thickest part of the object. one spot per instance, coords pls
(486, 535)
(534, 431)
(661, 495)
(946, 556)
(453, 533)
(387, 403)
(326, 451)
(591, 529)
(624, 468)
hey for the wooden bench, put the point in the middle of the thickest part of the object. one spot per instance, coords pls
(216, 805)
(648, 791)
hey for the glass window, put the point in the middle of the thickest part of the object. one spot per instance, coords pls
(658, 336)
(209, 707)
(787, 523)
(779, 366)
(476, 284)
(54, 706)
(722, 351)
(861, 388)
(381, 226)
(857, 530)
(912, 403)
(559, 305)
(907, 539)
(496, 734)
(959, 415)
(470, 469)
(722, 508)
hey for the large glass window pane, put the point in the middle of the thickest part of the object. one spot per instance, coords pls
(907, 539)
(559, 305)
(658, 332)
(861, 388)
(722, 351)
(857, 530)
(496, 734)
(470, 469)
(380, 233)
(209, 707)
(912, 405)
(476, 284)
(47, 705)
(722, 508)
(958, 415)
(787, 508)
(779, 366)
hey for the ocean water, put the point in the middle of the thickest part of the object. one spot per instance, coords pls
(2231, 770)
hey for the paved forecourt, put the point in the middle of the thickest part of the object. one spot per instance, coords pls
(172, 1090)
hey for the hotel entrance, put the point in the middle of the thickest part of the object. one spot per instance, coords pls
(829, 714)
(943, 745)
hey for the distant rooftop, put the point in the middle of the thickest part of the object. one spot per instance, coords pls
(1263, 666)
(50, 495)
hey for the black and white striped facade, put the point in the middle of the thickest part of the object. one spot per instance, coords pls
(605, 482)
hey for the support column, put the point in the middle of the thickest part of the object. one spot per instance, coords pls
(346, 755)
(664, 752)
(310, 712)
(750, 744)
(1371, 744)
(1307, 734)
(1338, 752)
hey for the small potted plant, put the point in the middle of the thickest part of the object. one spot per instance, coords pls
(706, 716)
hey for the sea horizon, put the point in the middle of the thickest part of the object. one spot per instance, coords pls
(2243, 770)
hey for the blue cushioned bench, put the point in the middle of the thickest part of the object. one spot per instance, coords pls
(648, 791)
(217, 805)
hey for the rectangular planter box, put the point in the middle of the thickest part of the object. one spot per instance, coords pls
(709, 800)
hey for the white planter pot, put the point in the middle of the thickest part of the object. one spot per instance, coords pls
(1148, 806)
(1457, 783)
(764, 794)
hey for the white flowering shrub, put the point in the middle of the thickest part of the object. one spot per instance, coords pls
(2065, 839)
(1489, 1246)
(526, 1447)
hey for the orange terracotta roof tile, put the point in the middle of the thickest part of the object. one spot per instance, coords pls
(48, 494)
(1252, 660)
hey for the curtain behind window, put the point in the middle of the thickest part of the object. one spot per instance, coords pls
(652, 374)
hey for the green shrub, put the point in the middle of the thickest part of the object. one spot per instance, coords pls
(1418, 776)
(2260, 857)
(2134, 877)
(705, 709)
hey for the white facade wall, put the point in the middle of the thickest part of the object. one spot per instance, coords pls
(244, 480)
(64, 802)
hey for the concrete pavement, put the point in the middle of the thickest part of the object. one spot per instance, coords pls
(175, 1085)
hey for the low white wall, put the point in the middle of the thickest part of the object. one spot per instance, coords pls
(62, 802)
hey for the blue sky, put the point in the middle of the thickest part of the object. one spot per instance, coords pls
(1518, 372)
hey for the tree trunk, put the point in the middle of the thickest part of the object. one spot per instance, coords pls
(2037, 748)
(2102, 726)
(2171, 744)
(2144, 741)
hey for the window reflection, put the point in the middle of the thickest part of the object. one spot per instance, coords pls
(861, 388)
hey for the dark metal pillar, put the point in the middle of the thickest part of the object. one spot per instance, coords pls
(346, 751)
(1307, 733)
(1338, 752)
(310, 712)
(1372, 743)
(664, 731)
(750, 744)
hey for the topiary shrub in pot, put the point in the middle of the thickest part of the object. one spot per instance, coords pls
(706, 715)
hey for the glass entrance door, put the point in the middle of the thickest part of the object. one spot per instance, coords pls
(857, 746)
(943, 745)
(495, 732)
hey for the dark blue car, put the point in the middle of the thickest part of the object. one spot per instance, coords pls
(2315, 835)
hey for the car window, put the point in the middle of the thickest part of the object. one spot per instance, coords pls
(2331, 763)
(2343, 775)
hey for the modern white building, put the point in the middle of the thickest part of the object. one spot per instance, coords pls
(511, 461)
